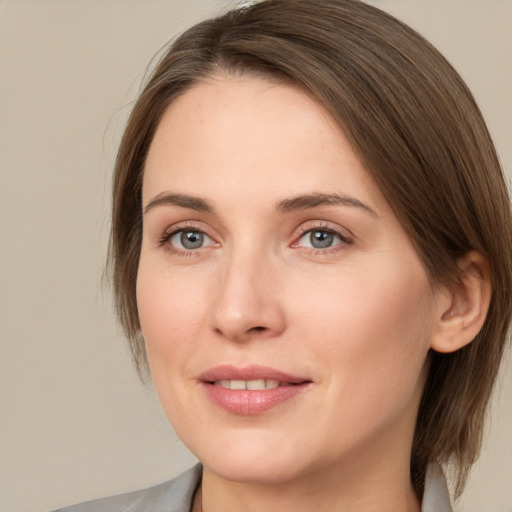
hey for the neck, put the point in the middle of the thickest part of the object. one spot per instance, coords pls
(385, 487)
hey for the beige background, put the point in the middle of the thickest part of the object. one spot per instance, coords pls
(74, 421)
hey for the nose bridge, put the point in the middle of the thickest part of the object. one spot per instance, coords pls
(246, 302)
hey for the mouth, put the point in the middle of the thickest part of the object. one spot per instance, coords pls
(251, 390)
(251, 385)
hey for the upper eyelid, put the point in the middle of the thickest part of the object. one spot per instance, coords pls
(326, 226)
(190, 225)
(176, 228)
(306, 229)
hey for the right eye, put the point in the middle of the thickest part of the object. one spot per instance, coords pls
(189, 240)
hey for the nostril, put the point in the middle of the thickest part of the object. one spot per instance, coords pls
(258, 328)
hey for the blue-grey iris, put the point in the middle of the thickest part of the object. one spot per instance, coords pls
(321, 239)
(192, 239)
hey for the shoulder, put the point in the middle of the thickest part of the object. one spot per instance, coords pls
(173, 496)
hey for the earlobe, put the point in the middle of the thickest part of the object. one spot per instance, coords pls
(463, 307)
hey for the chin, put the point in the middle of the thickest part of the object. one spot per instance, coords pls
(265, 471)
(260, 458)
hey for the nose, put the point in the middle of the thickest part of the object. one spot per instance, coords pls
(247, 304)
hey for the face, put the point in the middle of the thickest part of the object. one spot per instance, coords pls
(284, 309)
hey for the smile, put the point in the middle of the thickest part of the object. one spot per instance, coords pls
(252, 390)
(252, 385)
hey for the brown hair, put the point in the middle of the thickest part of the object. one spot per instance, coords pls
(415, 126)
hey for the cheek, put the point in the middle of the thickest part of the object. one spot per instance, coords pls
(373, 330)
(170, 313)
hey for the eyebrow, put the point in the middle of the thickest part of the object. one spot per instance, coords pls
(182, 200)
(314, 200)
(303, 202)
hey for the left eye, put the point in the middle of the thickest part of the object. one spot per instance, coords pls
(320, 239)
(190, 239)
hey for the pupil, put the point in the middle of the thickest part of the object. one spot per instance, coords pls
(192, 239)
(321, 239)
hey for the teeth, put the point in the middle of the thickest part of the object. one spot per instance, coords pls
(238, 384)
(253, 385)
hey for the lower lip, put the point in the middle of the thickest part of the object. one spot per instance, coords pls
(250, 402)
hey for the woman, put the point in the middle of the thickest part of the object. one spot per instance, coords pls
(311, 253)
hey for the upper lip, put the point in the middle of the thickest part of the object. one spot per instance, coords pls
(253, 372)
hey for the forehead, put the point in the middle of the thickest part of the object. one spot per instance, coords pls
(245, 134)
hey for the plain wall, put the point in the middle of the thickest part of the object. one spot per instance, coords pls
(75, 423)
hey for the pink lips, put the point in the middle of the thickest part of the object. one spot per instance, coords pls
(216, 383)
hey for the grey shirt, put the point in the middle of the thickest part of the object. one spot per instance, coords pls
(177, 495)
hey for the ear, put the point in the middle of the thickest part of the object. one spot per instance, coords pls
(463, 307)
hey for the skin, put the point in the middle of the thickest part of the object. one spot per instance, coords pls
(357, 318)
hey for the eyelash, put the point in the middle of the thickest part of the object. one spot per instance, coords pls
(168, 235)
(344, 239)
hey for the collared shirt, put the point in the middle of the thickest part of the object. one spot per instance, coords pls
(435, 497)
(177, 496)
